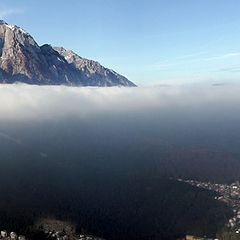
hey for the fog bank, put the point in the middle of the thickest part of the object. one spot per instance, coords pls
(26, 102)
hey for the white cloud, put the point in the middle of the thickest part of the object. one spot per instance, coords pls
(25, 102)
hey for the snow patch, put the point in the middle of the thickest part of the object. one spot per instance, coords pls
(14, 27)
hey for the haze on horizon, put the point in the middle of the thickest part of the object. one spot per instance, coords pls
(151, 43)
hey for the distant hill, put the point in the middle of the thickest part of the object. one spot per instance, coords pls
(23, 60)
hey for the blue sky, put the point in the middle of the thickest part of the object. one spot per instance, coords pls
(149, 41)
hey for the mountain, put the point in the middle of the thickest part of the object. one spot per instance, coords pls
(95, 73)
(23, 60)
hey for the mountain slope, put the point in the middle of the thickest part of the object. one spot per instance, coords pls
(95, 73)
(23, 60)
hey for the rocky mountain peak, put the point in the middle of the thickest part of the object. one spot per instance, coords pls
(23, 60)
(94, 71)
(2, 22)
(13, 27)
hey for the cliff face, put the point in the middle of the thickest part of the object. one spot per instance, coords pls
(95, 74)
(23, 60)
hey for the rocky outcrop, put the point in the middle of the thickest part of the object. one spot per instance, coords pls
(23, 60)
(94, 73)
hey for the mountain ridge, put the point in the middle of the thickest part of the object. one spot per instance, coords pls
(23, 60)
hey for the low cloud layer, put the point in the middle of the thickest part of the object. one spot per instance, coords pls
(25, 102)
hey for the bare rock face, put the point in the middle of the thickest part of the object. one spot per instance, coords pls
(95, 74)
(23, 60)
